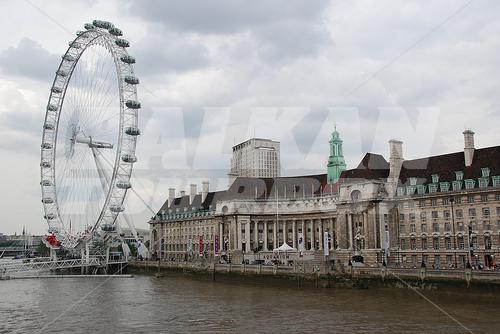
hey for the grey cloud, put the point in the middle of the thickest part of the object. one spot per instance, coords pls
(169, 53)
(29, 59)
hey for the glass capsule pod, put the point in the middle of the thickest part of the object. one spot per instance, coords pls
(115, 32)
(130, 79)
(62, 73)
(122, 42)
(45, 164)
(47, 200)
(49, 126)
(68, 57)
(123, 184)
(127, 59)
(129, 158)
(47, 146)
(116, 208)
(46, 183)
(133, 104)
(88, 26)
(102, 24)
(52, 107)
(50, 216)
(132, 131)
(56, 90)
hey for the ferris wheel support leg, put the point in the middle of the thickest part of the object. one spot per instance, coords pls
(53, 254)
(107, 260)
(82, 254)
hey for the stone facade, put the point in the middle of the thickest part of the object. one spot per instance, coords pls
(436, 210)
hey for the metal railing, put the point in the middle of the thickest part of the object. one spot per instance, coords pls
(18, 267)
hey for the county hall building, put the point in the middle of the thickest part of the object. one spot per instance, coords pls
(442, 210)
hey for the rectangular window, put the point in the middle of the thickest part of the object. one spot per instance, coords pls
(472, 212)
(435, 243)
(421, 204)
(496, 181)
(421, 189)
(469, 184)
(456, 185)
(435, 227)
(484, 182)
(447, 242)
(471, 199)
(497, 197)
(487, 225)
(498, 211)
(435, 178)
(446, 214)
(487, 242)
(423, 228)
(485, 172)
(401, 191)
(402, 229)
(410, 190)
(424, 243)
(444, 187)
(459, 213)
(446, 201)
(412, 216)
(413, 228)
(423, 216)
(461, 243)
(447, 227)
(432, 188)
(458, 199)
(484, 198)
(434, 202)
(413, 181)
(402, 217)
(403, 244)
(459, 175)
(486, 212)
(460, 226)
(413, 243)
(435, 215)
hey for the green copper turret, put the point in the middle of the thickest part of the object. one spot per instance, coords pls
(336, 163)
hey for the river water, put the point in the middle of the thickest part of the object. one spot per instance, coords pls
(180, 304)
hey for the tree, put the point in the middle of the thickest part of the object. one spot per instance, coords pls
(42, 250)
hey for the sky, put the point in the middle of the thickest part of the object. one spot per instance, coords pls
(215, 73)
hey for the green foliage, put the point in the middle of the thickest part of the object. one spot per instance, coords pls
(42, 250)
(133, 249)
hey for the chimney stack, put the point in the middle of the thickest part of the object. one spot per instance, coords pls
(204, 190)
(192, 193)
(183, 193)
(395, 163)
(468, 147)
(171, 196)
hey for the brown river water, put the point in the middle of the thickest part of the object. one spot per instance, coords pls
(182, 304)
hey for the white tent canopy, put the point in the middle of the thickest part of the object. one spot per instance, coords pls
(284, 248)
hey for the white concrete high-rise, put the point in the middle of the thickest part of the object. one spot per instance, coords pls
(255, 157)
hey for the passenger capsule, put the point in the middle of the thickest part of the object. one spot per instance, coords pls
(79, 33)
(68, 57)
(47, 200)
(132, 131)
(49, 126)
(88, 26)
(47, 146)
(56, 90)
(74, 44)
(102, 24)
(122, 42)
(108, 228)
(45, 164)
(116, 208)
(130, 79)
(52, 107)
(52, 230)
(133, 104)
(123, 184)
(62, 73)
(46, 183)
(115, 32)
(129, 158)
(127, 59)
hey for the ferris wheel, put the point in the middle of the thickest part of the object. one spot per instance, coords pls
(89, 136)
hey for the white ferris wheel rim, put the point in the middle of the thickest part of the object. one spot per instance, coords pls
(104, 34)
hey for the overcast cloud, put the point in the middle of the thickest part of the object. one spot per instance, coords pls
(214, 73)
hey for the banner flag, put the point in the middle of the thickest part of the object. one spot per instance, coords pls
(216, 245)
(301, 244)
(201, 246)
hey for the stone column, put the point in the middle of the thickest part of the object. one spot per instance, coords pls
(265, 235)
(239, 238)
(349, 232)
(275, 234)
(247, 237)
(294, 234)
(313, 235)
(304, 233)
(320, 237)
(221, 235)
(256, 234)
(332, 231)
(285, 232)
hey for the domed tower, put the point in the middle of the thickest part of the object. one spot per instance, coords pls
(336, 162)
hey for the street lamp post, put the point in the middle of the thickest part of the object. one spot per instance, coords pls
(452, 200)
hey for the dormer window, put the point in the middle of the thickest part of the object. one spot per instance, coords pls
(496, 181)
(459, 175)
(483, 182)
(421, 189)
(413, 181)
(485, 172)
(457, 185)
(401, 191)
(435, 178)
(469, 184)
(432, 188)
(444, 187)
